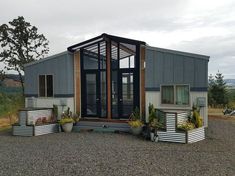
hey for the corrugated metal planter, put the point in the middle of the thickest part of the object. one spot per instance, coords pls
(196, 135)
(173, 134)
(45, 129)
(190, 136)
(22, 130)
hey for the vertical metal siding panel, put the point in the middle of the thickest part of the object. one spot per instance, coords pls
(149, 68)
(189, 71)
(168, 69)
(178, 69)
(31, 80)
(199, 72)
(158, 68)
(70, 73)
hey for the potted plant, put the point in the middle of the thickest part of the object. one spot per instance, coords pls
(154, 123)
(135, 123)
(76, 118)
(67, 121)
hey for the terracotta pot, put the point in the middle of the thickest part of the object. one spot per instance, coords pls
(67, 127)
(136, 130)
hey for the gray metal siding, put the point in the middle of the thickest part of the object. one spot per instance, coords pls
(62, 69)
(169, 68)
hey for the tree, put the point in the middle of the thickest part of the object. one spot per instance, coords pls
(217, 94)
(21, 44)
(211, 85)
(2, 76)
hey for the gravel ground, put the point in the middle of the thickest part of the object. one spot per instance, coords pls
(90, 153)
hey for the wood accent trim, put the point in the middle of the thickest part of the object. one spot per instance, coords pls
(77, 81)
(142, 79)
(108, 78)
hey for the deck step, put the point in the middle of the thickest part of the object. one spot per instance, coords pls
(102, 126)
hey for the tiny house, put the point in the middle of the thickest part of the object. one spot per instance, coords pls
(106, 77)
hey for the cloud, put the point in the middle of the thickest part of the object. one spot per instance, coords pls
(204, 27)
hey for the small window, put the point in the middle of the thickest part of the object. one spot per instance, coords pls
(42, 86)
(45, 86)
(168, 94)
(175, 94)
(182, 95)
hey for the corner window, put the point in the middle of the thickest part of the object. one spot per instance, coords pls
(175, 94)
(45, 86)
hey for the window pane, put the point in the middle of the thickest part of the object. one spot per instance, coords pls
(49, 86)
(124, 62)
(182, 95)
(167, 94)
(42, 86)
(90, 62)
(114, 55)
(132, 62)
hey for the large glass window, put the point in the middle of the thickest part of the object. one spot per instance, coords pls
(45, 86)
(175, 94)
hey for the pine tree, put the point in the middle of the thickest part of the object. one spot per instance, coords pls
(217, 93)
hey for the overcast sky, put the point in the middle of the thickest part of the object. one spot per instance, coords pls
(199, 26)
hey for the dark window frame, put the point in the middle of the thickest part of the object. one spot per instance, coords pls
(45, 87)
(175, 95)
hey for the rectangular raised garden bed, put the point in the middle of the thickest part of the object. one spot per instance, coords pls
(172, 134)
(34, 130)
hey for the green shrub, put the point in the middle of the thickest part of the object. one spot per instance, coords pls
(186, 126)
(197, 119)
(135, 115)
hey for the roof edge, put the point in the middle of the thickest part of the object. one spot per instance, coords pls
(45, 59)
(179, 52)
(103, 36)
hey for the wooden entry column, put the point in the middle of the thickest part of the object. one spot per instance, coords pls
(108, 76)
(77, 82)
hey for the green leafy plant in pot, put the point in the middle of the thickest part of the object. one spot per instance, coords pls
(135, 122)
(67, 121)
(154, 123)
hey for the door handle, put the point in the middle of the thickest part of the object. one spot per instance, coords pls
(97, 99)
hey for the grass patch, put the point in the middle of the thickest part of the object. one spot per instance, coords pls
(10, 103)
(215, 111)
(8, 128)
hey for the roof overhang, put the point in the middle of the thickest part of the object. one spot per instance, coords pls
(102, 37)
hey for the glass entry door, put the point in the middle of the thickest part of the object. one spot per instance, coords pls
(122, 94)
(126, 94)
(91, 97)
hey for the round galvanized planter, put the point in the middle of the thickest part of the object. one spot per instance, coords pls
(136, 130)
(67, 127)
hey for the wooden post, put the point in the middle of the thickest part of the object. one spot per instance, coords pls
(108, 73)
(77, 81)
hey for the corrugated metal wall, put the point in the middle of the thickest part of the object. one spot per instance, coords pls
(164, 67)
(60, 66)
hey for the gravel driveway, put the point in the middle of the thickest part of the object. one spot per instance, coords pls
(90, 153)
